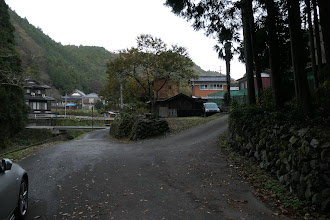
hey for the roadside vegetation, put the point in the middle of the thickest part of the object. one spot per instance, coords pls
(180, 124)
(78, 112)
(267, 187)
(30, 141)
(76, 122)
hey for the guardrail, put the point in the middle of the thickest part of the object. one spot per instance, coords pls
(49, 116)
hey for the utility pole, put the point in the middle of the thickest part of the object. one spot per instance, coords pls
(92, 117)
(65, 106)
(121, 94)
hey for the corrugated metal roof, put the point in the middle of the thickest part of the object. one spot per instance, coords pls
(210, 79)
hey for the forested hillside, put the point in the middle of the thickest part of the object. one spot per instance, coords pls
(64, 67)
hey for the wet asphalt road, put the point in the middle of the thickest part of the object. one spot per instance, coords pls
(182, 176)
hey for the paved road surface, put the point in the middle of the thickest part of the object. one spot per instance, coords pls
(183, 176)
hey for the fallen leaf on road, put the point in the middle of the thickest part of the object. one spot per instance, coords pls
(146, 211)
(36, 217)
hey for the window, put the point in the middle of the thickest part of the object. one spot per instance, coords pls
(219, 87)
(39, 91)
(203, 87)
(214, 87)
(43, 106)
(28, 91)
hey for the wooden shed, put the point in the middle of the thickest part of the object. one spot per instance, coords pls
(179, 105)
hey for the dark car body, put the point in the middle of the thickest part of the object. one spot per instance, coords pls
(13, 190)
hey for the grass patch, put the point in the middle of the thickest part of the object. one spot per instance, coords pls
(75, 122)
(78, 112)
(268, 188)
(30, 141)
(18, 155)
(27, 138)
(72, 134)
(179, 124)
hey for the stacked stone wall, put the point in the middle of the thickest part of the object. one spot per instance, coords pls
(299, 159)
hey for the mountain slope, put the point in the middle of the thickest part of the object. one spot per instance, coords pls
(64, 67)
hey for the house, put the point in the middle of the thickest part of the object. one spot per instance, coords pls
(206, 85)
(166, 90)
(240, 93)
(75, 96)
(78, 99)
(72, 100)
(36, 98)
(89, 100)
(179, 106)
(265, 77)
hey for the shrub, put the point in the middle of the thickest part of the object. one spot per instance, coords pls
(127, 126)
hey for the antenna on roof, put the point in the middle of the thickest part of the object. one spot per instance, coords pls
(220, 70)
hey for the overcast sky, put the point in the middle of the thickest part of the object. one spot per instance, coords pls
(114, 25)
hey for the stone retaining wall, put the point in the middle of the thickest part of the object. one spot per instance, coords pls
(299, 159)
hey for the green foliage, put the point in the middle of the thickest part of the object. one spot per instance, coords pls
(72, 134)
(99, 105)
(29, 137)
(179, 124)
(13, 108)
(143, 71)
(75, 122)
(323, 93)
(266, 99)
(226, 99)
(65, 67)
(122, 126)
(78, 112)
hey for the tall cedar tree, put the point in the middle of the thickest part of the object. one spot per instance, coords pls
(311, 43)
(213, 16)
(324, 6)
(297, 53)
(317, 40)
(274, 52)
(254, 47)
(248, 52)
(13, 108)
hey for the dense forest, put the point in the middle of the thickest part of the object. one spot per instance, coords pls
(65, 68)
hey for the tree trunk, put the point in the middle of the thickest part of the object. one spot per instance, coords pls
(254, 47)
(311, 43)
(298, 62)
(248, 54)
(274, 53)
(324, 6)
(228, 57)
(317, 41)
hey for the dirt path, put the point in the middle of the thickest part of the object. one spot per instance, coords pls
(184, 176)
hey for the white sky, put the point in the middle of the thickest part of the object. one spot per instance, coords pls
(115, 24)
